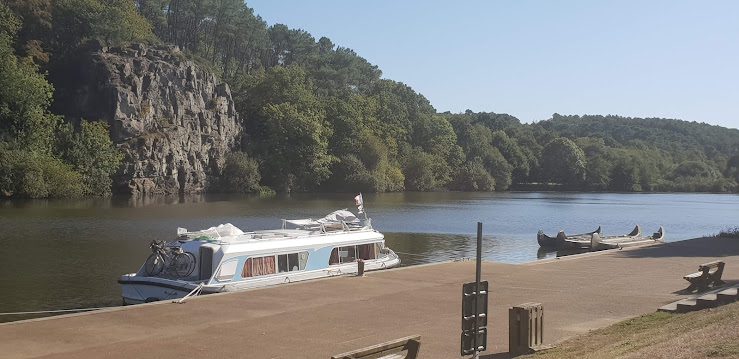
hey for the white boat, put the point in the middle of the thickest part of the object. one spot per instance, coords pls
(224, 258)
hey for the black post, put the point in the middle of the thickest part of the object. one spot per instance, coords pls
(478, 269)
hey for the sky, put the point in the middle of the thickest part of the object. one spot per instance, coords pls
(673, 59)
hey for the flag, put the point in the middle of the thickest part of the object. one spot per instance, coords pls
(359, 202)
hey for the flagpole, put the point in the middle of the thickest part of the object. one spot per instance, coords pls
(359, 201)
(363, 209)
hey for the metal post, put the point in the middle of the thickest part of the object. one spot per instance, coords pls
(478, 269)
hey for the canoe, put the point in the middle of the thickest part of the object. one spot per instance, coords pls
(583, 242)
(547, 241)
(598, 242)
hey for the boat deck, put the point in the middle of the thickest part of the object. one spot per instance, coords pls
(325, 317)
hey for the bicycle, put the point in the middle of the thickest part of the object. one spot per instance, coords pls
(172, 261)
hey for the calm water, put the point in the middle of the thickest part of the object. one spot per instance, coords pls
(68, 254)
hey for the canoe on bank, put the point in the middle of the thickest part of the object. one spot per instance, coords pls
(547, 241)
(598, 242)
(585, 242)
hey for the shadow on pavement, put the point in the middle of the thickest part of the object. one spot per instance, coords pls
(703, 247)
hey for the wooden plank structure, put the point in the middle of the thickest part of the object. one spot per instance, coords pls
(708, 274)
(525, 328)
(403, 348)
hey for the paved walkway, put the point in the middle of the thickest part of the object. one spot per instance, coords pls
(321, 318)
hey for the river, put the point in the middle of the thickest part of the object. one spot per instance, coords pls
(58, 254)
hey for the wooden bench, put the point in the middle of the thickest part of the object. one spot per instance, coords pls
(403, 348)
(707, 274)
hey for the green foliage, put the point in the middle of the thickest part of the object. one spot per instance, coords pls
(91, 153)
(113, 22)
(24, 94)
(474, 177)
(34, 30)
(34, 175)
(732, 168)
(564, 162)
(240, 174)
(424, 171)
(499, 168)
(513, 155)
(695, 169)
(289, 123)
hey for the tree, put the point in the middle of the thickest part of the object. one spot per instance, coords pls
(112, 22)
(25, 94)
(474, 177)
(34, 34)
(28, 174)
(418, 171)
(290, 127)
(513, 154)
(91, 153)
(599, 162)
(240, 174)
(564, 162)
(732, 168)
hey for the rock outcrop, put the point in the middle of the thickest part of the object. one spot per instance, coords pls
(173, 120)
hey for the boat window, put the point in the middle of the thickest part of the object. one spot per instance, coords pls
(254, 267)
(292, 262)
(227, 271)
(347, 254)
(367, 251)
(334, 259)
(352, 253)
(282, 263)
(302, 259)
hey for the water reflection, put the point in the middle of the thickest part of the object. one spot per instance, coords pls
(546, 253)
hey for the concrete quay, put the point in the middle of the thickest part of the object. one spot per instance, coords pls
(325, 317)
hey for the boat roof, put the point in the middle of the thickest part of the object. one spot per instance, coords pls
(339, 222)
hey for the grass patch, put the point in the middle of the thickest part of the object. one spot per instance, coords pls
(724, 350)
(707, 333)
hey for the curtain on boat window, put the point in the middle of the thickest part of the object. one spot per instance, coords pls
(334, 257)
(259, 266)
(247, 269)
(366, 251)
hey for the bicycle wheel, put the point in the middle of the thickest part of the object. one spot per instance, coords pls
(184, 264)
(154, 264)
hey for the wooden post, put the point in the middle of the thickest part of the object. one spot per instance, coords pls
(360, 268)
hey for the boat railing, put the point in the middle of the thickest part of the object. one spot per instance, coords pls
(327, 227)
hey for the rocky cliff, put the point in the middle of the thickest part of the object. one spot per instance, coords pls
(173, 120)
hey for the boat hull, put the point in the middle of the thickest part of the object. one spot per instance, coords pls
(138, 289)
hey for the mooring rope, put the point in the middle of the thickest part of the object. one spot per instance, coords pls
(194, 292)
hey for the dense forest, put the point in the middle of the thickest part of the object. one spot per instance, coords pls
(318, 117)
